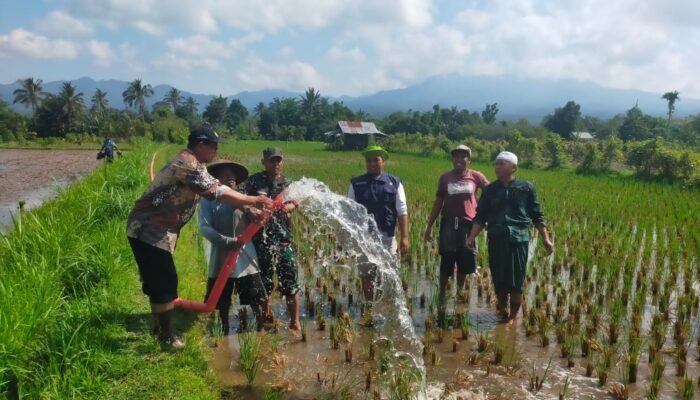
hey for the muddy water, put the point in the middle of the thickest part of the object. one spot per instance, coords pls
(313, 369)
(33, 176)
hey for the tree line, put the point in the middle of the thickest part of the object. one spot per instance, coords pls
(651, 146)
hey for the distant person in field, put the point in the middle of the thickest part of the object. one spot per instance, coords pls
(506, 208)
(274, 242)
(109, 147)
(158, 215)
(384, 198)
(456, 201)
(220, 224)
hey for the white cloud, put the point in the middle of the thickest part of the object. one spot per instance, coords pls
(101, 52)
(293, 75)
(58, 23)
(201, 51)
(206, 16)
(354, 55)
(21, 43)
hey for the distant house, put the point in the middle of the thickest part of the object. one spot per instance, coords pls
(582, 135)
(354, 134)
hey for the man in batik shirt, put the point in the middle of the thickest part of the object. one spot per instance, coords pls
(155, 221)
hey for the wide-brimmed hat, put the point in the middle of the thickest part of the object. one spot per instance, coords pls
(375, 150)
(240, 171)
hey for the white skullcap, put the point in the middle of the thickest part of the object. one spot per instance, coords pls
(507, 156)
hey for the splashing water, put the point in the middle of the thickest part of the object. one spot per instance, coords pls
(357, 233)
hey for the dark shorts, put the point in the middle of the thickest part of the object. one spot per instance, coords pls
(157, 271)
(279, 257)
(250, 290)
(453, 247)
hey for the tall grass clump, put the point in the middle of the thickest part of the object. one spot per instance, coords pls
(71, 311)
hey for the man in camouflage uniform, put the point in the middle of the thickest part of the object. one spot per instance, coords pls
(507, 207)
(274, 242)
(155, 221)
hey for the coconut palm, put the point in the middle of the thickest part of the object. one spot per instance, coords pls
(173, 98)
(135, 96)
(259, 109)
(71, 105)
(671, 98)
(310, 102)
(29, 93)
(99, 102)
(191, 105)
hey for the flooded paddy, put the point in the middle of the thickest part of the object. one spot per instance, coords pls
(33, 176)
(564, 345)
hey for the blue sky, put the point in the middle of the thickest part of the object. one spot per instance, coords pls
(344, 47)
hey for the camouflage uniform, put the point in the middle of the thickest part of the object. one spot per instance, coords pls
(273, 243)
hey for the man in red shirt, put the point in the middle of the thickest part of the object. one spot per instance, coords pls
(456, 198)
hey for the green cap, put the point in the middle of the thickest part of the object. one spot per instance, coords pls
(375, 150)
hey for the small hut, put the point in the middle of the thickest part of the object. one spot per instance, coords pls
(354, 135)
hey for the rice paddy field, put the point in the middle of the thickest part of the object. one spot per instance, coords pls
(612, 314)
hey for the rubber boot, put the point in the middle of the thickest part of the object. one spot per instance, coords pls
(167, 333)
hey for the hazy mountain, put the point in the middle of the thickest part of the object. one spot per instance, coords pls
(516, 98)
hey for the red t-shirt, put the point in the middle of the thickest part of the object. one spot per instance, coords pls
(459, 193)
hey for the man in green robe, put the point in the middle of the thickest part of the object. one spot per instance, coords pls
(506, 208)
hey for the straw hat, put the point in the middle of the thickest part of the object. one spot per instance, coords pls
(240, 171)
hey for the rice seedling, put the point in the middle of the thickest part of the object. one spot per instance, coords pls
(250, 346)
(464, 325)
(685, 388)
(537, 380)
(565, 388)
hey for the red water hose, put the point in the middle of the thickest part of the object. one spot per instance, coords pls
(226, 269)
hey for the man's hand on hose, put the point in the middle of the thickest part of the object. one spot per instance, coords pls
(232, 243)
(263, 202)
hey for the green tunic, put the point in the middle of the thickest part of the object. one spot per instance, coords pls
(507, 212)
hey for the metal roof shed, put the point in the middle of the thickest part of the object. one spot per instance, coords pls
(354, 134)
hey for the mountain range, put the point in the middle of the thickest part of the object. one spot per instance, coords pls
(516, 97)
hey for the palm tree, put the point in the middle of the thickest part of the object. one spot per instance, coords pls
(174, 98)
(135, 96)
(310, 101)
(29, 94)
(99, 102)
(71, 105)
(259, 109)
(191, 105)
(671, 98)
(362, 115)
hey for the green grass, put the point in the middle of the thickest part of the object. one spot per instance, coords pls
(73, 322)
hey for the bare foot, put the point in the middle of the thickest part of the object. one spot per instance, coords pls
(294, 326)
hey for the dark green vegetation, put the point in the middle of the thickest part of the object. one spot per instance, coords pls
(664, 148)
